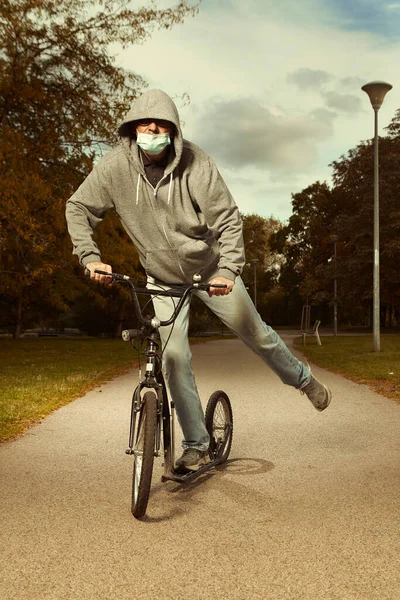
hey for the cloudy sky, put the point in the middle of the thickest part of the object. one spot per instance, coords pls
(274, 87)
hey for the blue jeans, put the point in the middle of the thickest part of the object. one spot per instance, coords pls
(238, 313)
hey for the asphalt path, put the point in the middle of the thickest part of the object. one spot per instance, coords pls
(306, 508)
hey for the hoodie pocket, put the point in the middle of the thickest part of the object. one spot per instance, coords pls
(163, 264)
(178, 265)
(195, 256)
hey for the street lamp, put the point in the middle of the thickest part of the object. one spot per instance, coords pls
(334, 239)
(376, 91)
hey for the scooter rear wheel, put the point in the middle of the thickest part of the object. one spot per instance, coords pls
(219, 423)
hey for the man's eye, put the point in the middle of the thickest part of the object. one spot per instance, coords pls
(145, 122)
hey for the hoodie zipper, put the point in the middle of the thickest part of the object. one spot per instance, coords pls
(155, 190)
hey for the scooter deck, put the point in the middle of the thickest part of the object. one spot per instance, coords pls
(187, 475)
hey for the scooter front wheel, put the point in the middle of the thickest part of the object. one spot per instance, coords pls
(144, 455)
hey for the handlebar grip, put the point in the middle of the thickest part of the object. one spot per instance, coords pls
(204, 287)
(128, 334)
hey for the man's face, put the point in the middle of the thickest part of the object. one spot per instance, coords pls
(154, 126)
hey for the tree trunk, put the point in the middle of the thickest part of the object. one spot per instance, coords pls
(119, 324)
(18, 324)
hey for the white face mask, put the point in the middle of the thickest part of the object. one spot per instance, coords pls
(153, 144)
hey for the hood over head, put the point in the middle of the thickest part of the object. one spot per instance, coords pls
(154, 104)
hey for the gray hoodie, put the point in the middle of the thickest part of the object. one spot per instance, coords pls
(187, 224)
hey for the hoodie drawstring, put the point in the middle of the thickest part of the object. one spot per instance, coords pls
(137, 188)
(170, 187)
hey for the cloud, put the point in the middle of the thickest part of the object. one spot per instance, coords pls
(245, 132)
(309, 78)
(314, 80)
(351, 82)
(247, 49)
(380, 18)
(342, 102)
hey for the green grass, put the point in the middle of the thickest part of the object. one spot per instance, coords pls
(39, 375)
(352, 356)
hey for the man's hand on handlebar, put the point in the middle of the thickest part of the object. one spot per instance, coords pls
(91, 267)
(220, 291)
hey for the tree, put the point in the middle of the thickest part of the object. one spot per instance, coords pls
(354, 180)
(61, 98)
(346, 210)
(306, 245)
(257, 233)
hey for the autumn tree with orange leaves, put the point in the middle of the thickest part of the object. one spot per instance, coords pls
(61, 98)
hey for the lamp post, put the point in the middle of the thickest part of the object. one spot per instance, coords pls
(334, 239)
(376, 91)
(255, 262)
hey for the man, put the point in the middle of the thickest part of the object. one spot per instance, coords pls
(183, 221)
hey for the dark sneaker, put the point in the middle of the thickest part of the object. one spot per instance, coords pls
(192, 459)
(317, 393)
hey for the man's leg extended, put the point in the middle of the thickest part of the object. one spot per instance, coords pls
(177, 367)
(238, 313)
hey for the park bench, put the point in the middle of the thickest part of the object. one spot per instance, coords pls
(313, 331)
